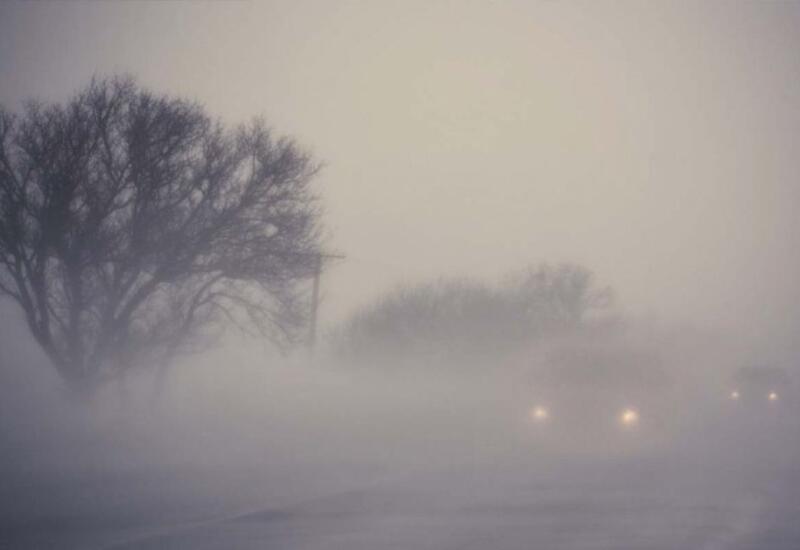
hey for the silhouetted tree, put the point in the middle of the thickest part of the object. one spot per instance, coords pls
(471, 321)
(560, 296)
(443, 319)
(132, 225)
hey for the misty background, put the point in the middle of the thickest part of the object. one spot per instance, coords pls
(653, 143)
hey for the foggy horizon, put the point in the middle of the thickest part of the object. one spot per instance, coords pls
(508, 133)
(557, 253)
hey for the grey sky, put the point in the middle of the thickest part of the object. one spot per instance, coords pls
(656, 143)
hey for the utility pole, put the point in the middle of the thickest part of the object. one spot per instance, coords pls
(312, 330)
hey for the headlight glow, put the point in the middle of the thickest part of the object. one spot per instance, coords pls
(772, 396)
(539, 414)
(629, 418)
(735, 395)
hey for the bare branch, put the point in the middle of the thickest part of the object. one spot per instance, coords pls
(133, 224)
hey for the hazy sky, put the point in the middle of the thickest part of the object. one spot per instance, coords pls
(656, 143)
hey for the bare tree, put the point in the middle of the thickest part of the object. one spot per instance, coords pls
(561, 296)
(132, 225)
(469, 321)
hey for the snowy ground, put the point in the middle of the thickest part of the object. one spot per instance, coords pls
(589, 510)
(340, 471)
(675, 499)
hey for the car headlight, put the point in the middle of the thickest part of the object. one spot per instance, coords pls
(735, 395)
(539, 414)
(629, 418)
(773, 396)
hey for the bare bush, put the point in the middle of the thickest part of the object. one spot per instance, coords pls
(472, 321)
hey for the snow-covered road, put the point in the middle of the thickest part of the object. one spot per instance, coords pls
(634, 504)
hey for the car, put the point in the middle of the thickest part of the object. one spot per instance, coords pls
(757, 412)
(600, 396)
(760, 396)
(759, 385)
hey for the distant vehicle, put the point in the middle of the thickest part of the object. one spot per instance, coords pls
(592, 396)
(758, 409)
(757, 385)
